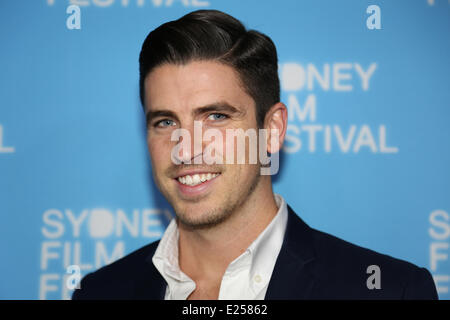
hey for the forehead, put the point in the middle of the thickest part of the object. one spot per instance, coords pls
(197, 83)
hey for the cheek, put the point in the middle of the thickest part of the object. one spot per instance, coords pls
(237, 148)
(159, 151)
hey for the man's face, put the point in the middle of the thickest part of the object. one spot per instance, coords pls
(209, 92)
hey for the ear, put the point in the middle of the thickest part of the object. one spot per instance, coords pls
(276, 119)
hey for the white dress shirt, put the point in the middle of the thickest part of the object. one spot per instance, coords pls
(246, 278)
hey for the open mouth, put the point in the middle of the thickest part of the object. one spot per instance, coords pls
(193, 180)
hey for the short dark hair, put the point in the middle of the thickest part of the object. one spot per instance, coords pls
(214, 35)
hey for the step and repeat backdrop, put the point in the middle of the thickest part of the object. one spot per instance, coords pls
(366, 156)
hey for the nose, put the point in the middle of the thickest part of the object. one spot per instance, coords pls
(189, 147)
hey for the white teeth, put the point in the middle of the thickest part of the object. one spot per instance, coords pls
(196, 179)
(193, 180)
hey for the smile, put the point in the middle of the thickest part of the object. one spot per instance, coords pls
(196, 179)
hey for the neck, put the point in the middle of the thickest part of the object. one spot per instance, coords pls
(206, 253)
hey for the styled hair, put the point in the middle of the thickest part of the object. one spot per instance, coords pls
(217, 36)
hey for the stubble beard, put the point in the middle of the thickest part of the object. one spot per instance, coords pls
(218, 214)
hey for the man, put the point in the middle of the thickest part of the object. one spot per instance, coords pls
(232, 238)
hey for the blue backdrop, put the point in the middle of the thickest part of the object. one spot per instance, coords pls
(367, 151)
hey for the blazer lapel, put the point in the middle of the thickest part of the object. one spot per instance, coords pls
(150, 285)
(293, 276)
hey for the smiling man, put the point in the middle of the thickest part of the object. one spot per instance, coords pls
(232, 238)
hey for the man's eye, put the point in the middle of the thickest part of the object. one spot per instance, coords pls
(164, 123)
(217, 116)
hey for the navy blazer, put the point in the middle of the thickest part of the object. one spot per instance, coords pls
(311, 265)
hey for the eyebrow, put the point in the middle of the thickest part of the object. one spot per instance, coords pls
(220, 106)
(159, 114)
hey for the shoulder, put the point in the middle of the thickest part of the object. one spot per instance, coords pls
(366, 273)
(118, 279)
(339, 269)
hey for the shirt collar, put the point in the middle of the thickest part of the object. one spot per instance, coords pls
(165, 258)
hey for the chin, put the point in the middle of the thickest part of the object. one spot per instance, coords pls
(200, 216)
